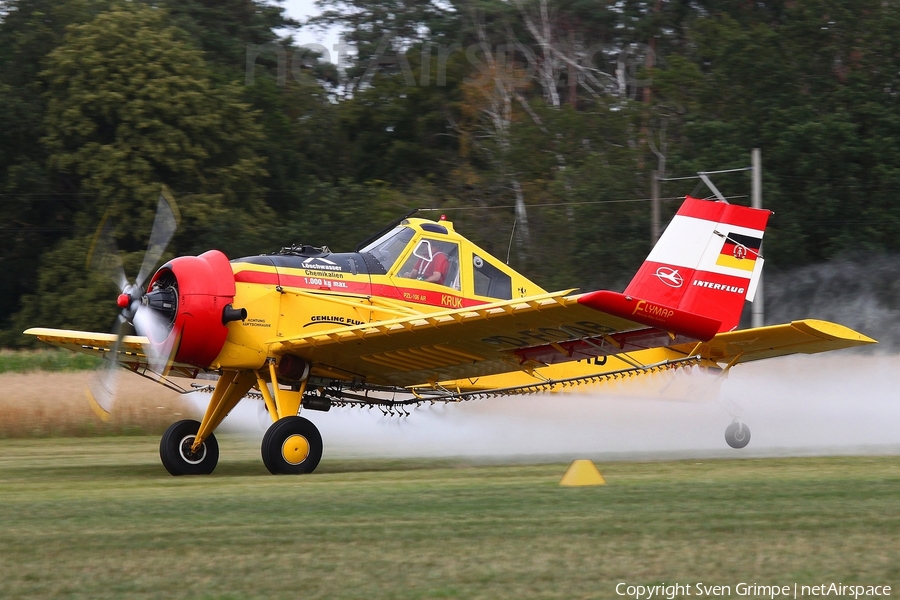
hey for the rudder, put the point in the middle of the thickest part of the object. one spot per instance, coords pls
(706, 262)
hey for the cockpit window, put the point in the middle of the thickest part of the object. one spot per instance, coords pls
(435, 261)
(491, 281)
(388, 247)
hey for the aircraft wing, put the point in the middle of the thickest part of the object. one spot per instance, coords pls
(808, 336)
(131, 350)
(510, 335)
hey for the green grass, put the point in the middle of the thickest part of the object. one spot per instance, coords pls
(99, 518)
(51, 359)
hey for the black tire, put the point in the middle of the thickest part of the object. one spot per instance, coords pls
(174, 450)
(737, 435)
(292, 446)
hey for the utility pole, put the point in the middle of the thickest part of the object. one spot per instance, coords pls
(757, 312)
(654, 207)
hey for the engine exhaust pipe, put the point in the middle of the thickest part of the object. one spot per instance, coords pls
(229, 314)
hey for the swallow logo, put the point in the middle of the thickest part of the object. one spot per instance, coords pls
(317, 259)
(670, 277)
(322, 264)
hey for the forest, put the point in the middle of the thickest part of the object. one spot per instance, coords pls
(536, 126)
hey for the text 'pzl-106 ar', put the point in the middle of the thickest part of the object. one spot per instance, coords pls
(418, 313)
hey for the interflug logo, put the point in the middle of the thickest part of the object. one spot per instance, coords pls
(669, 276)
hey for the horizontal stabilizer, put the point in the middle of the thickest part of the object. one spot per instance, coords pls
(809, 336)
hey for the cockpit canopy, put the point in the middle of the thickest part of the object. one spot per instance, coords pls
(432, 252)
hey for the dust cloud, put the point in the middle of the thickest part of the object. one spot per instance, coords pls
(862, 293)
(845, 402)
(841, 403)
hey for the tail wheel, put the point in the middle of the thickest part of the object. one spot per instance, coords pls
(737, 435)
(175, 450)
(293, 446)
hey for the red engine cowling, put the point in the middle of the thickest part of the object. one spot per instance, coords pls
(204, 286)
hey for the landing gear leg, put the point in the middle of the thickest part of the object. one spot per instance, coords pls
(292, 445)
(737, 435)
(189, 447)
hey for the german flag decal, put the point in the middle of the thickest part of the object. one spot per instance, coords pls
(739, 252)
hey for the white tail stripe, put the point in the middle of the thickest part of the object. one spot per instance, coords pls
(692, 243)
(754, 279)
(683, 242)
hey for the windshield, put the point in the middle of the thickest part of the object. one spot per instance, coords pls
(388, 247)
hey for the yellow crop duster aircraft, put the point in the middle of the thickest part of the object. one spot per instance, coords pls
(419, 313)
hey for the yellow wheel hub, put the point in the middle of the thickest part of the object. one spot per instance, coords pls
(295, 449)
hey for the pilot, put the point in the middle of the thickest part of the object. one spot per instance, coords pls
(434, 271)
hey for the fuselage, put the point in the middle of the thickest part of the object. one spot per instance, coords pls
(306, 289)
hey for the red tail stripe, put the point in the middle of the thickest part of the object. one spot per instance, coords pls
(720, 212)
(650, 313)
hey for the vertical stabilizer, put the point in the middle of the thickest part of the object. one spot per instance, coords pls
(706, 262)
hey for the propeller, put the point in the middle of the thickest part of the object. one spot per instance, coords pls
(147, 312)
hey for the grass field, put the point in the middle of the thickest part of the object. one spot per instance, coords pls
(45, 359)
(44, 404)
(100, 518)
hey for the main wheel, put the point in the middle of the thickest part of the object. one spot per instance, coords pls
(175, 450)
(737, 435)
(292, 445)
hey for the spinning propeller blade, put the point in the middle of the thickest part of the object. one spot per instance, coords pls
(104, 256)
(101, 389)
(149, 323)
(164, 226)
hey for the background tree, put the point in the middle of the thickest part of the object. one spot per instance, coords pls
(102, 101)
(34, 213)
(131, 106)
